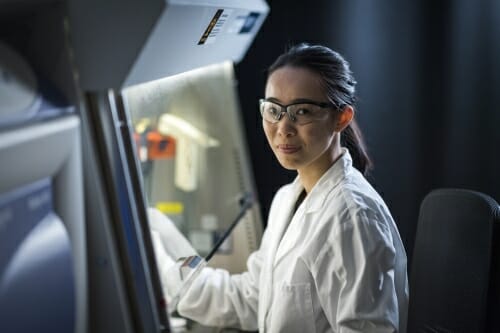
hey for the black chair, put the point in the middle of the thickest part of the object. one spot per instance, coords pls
(454, 280)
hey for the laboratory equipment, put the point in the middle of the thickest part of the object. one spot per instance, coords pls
(200, 109)
(73, 103)
(43, 261)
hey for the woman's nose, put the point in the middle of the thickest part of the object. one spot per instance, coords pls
(286, 126)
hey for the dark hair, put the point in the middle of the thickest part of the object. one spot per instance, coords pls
(339, 85)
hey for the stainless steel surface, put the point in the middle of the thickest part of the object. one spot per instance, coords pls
(130, 42)
(142, 295)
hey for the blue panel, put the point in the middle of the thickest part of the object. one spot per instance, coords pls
(37, 291)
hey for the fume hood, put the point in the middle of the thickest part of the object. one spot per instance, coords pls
(159, 90)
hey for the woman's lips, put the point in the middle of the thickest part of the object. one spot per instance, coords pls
(288, 149)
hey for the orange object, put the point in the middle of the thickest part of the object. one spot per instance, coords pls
(160, 146)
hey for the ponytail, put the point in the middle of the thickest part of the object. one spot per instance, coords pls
(352, 139)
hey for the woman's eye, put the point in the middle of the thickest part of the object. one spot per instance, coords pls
(303, 111)
(273, 111)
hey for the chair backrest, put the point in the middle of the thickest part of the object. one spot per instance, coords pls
(455, 264)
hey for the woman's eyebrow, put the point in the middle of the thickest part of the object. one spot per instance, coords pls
(305, 100)
(272, 99)
(294, 101)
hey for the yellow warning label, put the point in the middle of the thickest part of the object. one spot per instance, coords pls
(210, 27)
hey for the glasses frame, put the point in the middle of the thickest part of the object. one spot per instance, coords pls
(292, 117)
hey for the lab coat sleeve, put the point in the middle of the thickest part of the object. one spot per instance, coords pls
(166, 266)
(217, 298)
(171, 239)
(355, 277)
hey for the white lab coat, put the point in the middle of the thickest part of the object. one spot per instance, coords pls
(336, 265)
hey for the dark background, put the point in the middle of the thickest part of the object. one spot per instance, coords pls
(428, 77)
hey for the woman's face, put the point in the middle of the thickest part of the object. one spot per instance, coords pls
(306, 148)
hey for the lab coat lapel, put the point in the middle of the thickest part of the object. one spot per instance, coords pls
(313, 203)
(288, 238)
(283, 240)
(279, 222)
(298, 227)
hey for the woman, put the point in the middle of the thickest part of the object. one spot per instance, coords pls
(331, 258)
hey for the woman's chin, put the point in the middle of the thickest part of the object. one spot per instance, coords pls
(289, 165)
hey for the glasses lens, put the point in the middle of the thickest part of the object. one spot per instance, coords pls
(307, 113)
(303, 113)
(270, 111)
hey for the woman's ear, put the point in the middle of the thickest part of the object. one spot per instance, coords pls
(344, 118)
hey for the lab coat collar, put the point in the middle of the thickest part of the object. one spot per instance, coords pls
(330, 179)
(313, 202)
